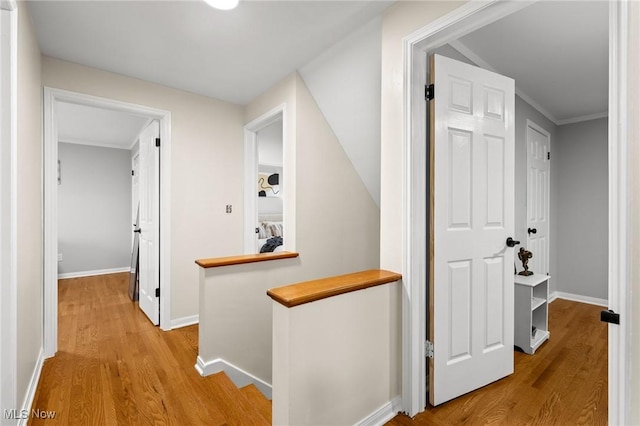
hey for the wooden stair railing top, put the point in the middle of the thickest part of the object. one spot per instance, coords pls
(311, 291)
(215, 262)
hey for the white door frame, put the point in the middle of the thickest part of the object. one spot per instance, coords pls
(250, 213)
(8, 212)
(134, 176)
(465, 19)
(51, 98)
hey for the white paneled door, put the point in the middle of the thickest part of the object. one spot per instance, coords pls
(538, 160)
(149, 225)
(471, 290)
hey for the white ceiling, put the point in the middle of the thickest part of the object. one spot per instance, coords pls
(230, 55)
(96, 126)
(556, 51)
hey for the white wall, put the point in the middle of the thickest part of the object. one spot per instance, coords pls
(399, 20)
(94, 208)
(206, 168)
(337, 368)
(235, 313)
(30, 234)
(326, 199)
(335, 231)
(345, 83)
(581, 151)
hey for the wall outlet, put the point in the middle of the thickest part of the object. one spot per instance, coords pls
(229, 208)
(59, 257)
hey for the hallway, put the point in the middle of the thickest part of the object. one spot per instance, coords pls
(563, 383)
(114, 368)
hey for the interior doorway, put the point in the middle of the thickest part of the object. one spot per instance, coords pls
(94, 189)
(451, 27)
(265, 178)
(52, 100)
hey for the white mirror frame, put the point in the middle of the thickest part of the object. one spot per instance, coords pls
(250, 213)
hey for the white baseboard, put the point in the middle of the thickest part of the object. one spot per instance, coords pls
(94, 273)
(578, 298)
(238, 376)
(184, 321)
(383, 414)
(31, 389)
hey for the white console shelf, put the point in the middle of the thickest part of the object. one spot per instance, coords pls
(531, 310)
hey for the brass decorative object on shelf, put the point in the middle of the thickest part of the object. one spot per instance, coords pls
(524, 255)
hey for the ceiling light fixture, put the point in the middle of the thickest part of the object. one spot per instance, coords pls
(222, 4)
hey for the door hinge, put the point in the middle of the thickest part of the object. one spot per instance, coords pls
(610, 317)
(428, 349)
(429, 92)
(133, 173)
(157, 141)
(548, 155)
(158, 292)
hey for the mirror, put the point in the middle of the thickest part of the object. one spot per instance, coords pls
(270, 188)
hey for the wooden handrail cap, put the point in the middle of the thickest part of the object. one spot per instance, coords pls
(215, 262)
(311, 291)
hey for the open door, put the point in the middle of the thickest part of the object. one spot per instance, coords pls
(471, 217)
(149, 224)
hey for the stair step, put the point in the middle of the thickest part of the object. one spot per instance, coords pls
(242, 411)
(253, 394)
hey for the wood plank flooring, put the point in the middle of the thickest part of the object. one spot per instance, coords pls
(563, 383)
(113, 367)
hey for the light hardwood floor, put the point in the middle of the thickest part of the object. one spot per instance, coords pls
(113, 367)
(563, 383)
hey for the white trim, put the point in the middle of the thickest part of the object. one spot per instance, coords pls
(238, 376)
(620, 347)
(184, 321)
(470, 54)
(51, 97)
(578, 298)
(50, 216)
(94, 273)
(465, 19)
(250, 213)
(135, 140)
(9, 5)
(382, 414)
(464, 50)
(8, 218)
(536, 106)
(582, 118)
(96, 144)
(31, 388)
